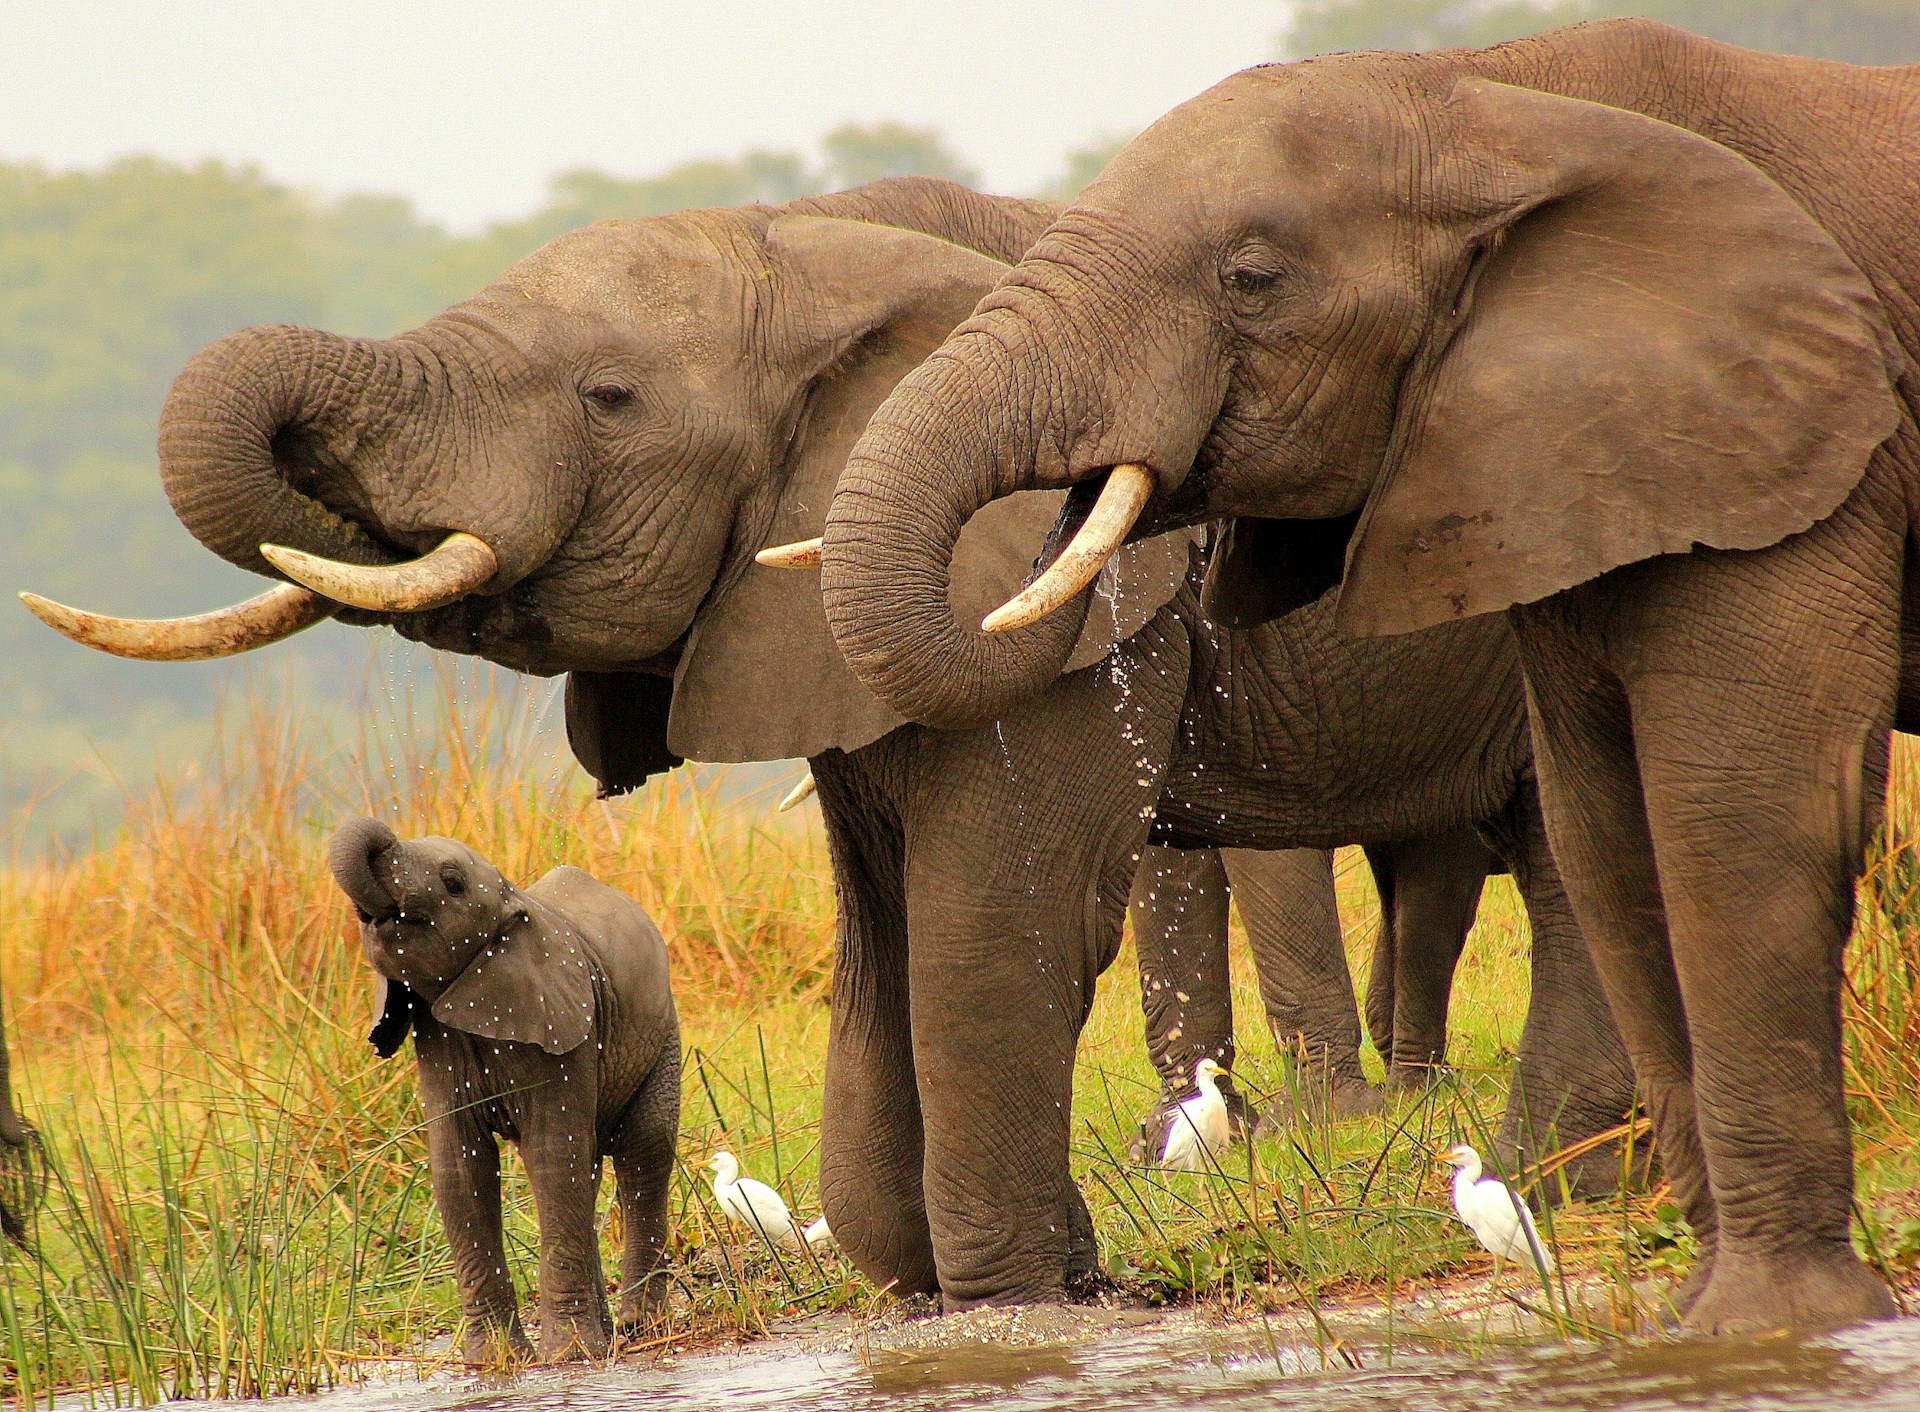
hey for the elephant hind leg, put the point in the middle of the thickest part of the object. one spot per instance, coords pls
(1429, 896)
(642, 1149)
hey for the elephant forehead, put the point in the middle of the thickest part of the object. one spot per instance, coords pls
(680, 282)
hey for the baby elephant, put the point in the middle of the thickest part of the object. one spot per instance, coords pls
(542, 1015)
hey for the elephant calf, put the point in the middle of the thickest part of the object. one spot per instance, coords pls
(542, 1015)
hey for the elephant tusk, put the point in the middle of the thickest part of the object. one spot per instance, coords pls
(456, 568)
(281, 611)
(801, 554)
(1122, 498)
(799, 794)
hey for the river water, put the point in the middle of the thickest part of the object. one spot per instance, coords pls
(1144, 1364)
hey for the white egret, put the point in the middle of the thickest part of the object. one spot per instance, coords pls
(818, 1234)
(1498, 1219)
(754, 1204)
(1201, 1128)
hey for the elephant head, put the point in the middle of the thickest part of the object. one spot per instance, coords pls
(572, 471)
(1490, 341)
(446, 932)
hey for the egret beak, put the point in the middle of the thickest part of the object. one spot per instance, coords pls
(801, 554)
(1122, 498)
(459, 565)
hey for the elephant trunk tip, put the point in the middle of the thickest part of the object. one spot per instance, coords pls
(351, 854)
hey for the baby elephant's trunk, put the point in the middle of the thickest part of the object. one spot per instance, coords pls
(356, 844)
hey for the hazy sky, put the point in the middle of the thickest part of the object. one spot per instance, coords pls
(469, 106)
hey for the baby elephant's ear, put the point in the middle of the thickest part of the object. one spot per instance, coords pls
(532, 985)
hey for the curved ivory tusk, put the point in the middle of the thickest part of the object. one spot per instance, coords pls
(799, 794)
(460, 564)
(281, 611)
(801, 554)
(1122, 498)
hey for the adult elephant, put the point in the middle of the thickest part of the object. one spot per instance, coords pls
(586, 457)
(1607, 329)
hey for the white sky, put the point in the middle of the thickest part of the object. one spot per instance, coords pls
(469, 105)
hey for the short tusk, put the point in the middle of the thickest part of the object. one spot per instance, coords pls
(799, 794)
(801, 554)
(281, 611)
(1122, 498)
(460, 565)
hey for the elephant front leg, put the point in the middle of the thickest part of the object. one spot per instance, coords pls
(558, 1149)
(1022, 843)
(642, 1150)
(871, 1149)
(465, 1160)
(1429, 896)
(1179, 911)
(1286, 902)
(1572, 1079)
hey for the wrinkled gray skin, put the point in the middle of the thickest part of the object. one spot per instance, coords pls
(1608, 328)
(1429, 895)
(542, 1015)
(626, 416)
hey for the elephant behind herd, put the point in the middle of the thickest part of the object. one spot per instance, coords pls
(586, 456)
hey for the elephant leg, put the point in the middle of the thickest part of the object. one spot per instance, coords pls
(466, 1188)
(1429, 896)
(1590, 795)
(1179, 911)
(563, 1168)
(1286, 903)
(871, 1144)
(1022, 844)
(642, 1149)
(1759, 687)
(1572, 1078)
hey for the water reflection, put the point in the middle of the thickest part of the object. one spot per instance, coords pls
(1179, 1364)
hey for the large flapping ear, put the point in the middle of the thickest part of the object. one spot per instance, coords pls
(533, 984)
(617, 727)
(1659, 349)
(761, 677)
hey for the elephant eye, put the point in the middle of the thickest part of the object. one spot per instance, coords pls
(1250, 279)
(452, 880)
(609, 394)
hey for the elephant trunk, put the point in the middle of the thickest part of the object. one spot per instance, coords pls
(352, 854)
(238, 433)
(938, 450)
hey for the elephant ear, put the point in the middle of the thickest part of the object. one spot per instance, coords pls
(533, 984)
(617, 727)
(1659, 349)
(761, 677)
(390, 1026)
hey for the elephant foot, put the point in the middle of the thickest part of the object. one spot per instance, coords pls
(642, 1304)
(1584, 1178)
(1150, 1140)
(496, 1342)
(568, 1338)
(1309, 1104)
(1808, 1290)
(1085, 1278)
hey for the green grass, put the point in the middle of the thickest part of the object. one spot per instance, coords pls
(238, 1199)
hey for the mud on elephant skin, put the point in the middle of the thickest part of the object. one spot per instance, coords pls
(624, 418)
(542, 1015)
(1609, 329)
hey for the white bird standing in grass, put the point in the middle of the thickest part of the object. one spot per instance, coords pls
(754, 1204)
(1200, 1129)
(1498, 1219)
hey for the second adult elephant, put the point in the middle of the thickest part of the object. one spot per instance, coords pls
(572, 471)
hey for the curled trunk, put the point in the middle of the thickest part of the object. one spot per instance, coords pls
(933, 455)
(351, 855)
(244, 431)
